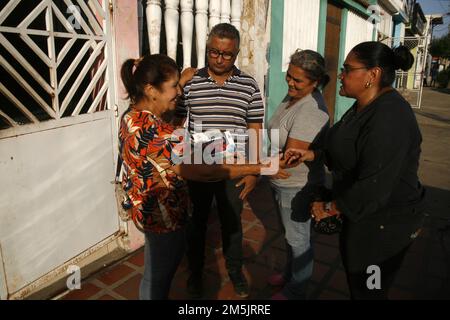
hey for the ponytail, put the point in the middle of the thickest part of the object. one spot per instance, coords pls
(150, 69)
(403, 59)
(126, 73)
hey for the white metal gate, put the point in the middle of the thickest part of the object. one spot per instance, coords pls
(410, 83)
(57, 135)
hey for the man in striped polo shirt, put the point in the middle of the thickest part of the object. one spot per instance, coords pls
(222, 97)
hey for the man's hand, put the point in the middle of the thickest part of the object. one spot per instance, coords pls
(298, 155)
(249, 183)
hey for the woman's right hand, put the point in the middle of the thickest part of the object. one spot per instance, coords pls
(187, 75)
(273, 168)
(318, 211)
(298, 155)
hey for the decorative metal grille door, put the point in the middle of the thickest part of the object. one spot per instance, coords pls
(55, 56)
(57, 135)
(410, 83)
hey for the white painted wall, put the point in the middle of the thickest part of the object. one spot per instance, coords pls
(386, 24)
(358, 30)
(300, 27)
(255, 37)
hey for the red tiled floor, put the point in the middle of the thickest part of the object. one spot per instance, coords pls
(257, 275)
(273, 258)
(138, 258)
(257, 233)
(251, 248)
(227, 293)
(179, 282)
(87, 290)
(248, 215)
(264, 254)
(339, 281)
(177, 293)
(130, 289)
(319, 271)
(106, 297)
(115, 274)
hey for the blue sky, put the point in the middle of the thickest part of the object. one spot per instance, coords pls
(437, 6)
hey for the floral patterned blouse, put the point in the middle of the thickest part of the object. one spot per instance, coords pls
(159, 197)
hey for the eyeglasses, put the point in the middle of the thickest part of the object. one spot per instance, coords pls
(213, 53)
(347, 69)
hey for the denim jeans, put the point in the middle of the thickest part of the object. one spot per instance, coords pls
(162, 255)
(299, 262)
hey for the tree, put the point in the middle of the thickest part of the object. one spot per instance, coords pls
(440, 47)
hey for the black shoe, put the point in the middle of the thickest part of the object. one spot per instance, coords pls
(240, 284)
(195, 286)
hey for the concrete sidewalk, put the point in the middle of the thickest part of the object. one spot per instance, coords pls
(425, 273)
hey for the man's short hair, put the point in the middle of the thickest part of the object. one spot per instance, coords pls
(225, 30)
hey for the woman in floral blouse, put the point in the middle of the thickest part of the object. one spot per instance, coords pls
(157, 192)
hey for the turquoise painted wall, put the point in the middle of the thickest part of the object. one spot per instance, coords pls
(322, 27)
(277, 87)
(342, 103)
(397, 32)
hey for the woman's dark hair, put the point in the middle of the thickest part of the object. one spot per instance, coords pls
(376, 54)
(313, 64)
(151, 69)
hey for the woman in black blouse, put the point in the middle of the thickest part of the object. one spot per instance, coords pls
(373, 153)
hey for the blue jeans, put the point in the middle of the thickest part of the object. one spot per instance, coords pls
(299, 262)
(162, 256)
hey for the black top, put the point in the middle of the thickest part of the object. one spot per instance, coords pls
(374, 157)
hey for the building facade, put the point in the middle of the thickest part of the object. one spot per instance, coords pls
(61, 97)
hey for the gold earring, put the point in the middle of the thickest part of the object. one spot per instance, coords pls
(368, 84)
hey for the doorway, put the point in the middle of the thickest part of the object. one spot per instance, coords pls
(332, 44)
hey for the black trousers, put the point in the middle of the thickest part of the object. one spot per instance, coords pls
(357, 281)
(229, 208)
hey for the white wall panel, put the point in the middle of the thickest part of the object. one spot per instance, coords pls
(358, 30)
(385, 25)
(56, 197)
(300, 27)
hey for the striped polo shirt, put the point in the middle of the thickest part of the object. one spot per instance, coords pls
(229, 107)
